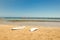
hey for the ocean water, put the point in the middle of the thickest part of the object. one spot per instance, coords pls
(32, 18)
(52, 24)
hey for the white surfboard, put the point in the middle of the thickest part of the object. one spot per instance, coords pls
(18, 27)
(33, 29)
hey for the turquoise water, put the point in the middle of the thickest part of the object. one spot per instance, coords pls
(31, 18)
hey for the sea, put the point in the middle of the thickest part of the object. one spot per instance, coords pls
(47, 21)
(32, 18)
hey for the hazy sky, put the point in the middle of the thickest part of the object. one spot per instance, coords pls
(29, 8)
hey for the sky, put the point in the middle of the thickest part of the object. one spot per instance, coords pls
(29, 8)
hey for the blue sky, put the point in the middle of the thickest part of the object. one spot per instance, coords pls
(29, 8)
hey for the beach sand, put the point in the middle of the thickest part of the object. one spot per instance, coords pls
(43, 33)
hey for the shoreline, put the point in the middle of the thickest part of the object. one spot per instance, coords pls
(32, 21)
(46, 24)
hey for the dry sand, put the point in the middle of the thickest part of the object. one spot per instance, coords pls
(43, 33)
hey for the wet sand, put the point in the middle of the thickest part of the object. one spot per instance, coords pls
(45, 24)
(43, 33)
